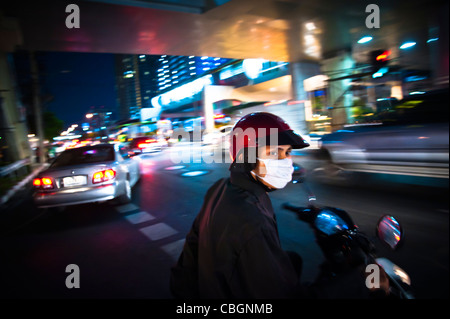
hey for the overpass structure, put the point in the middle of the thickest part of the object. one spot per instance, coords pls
(315, 37)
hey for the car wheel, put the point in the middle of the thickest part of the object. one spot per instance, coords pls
(126, 197)
(329, 172)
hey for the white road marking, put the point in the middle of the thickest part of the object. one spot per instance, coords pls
(174, 249)
(127, 208)
(140, 217)
(158, 231)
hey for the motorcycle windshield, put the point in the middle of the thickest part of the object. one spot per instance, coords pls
(329, 223)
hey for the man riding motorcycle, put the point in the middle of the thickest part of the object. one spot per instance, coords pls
(233, 249)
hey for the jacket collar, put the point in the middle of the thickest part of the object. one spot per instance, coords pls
(247, 182)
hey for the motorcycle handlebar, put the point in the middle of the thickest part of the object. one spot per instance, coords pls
(295, 209)
(305, 214)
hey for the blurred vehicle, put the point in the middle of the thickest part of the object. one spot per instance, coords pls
(87, 174)
(412, 138)
(147, 144)
(219, 137)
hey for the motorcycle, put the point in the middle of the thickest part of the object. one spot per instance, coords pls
(344, 246)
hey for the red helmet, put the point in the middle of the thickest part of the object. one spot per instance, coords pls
(260, 128)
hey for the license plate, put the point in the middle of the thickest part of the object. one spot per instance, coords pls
(74, 181)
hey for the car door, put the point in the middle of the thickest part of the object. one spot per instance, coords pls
(132, 164)
(417, 135)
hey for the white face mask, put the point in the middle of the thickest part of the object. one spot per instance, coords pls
(278, 172)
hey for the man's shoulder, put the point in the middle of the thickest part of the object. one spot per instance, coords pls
(214, 187)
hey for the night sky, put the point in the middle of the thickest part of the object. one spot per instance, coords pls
(78, 81)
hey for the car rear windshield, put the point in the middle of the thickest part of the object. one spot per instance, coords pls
(84, 155)
(432, 108)
(142, 139)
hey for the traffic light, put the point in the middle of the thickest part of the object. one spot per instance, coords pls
(379, 60)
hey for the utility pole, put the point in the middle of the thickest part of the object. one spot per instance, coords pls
(37, 106)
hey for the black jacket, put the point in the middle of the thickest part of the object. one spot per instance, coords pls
(233, 248)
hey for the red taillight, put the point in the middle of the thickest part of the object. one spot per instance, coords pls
(142, 145)
(43, 182)
(46, 181)
(103, 176)
(152, 140)
(98, 177)
(109, 174)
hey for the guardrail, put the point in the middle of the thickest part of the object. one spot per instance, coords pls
(15, 169)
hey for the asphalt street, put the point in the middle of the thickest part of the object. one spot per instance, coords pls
(126, 251)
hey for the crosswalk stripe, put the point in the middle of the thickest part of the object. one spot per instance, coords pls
(140, 217)
(127, 208)
(174, 249)
(158, 231)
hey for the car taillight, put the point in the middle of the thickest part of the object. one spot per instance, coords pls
(44, 182)
(142, 145)
(103, 176)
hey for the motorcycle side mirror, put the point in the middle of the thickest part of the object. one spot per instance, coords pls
(299, 174)
(390, 231)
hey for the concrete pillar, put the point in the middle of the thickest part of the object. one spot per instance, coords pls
(340, 97)
(300, 71)
(211, 94)
(371, 98)
(13, 128)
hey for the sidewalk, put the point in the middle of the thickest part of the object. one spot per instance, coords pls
(36, 169)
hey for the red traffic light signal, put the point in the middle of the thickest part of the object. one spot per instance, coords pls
(383, 56)
(379, 59)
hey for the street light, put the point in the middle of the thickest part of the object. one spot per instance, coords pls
(407, 45)
(365, 39)
(89, 115)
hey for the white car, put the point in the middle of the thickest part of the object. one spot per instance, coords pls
(85, 175)
(219, 137)
(412, 139)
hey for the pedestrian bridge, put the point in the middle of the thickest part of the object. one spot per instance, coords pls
(276, 30)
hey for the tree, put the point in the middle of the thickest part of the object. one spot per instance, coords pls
(52, 125)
